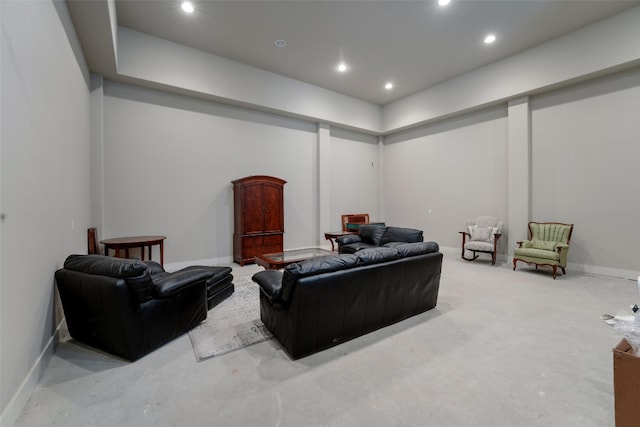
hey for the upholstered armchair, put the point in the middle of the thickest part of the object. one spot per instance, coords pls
(548, 244)
(481, 235)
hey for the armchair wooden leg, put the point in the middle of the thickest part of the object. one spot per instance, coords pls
(563, 270)
(514, 264)
(555, 268)
(493, 258)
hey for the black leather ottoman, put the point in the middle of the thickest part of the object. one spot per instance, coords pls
(219, 287)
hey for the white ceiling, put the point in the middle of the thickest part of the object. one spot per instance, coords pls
(414, 44)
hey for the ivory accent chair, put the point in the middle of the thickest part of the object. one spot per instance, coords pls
(548, 244)
(481, 235)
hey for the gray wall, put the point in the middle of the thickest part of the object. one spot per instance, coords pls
(162, 163)
(585, 152)
(169, 161)
(437, 176)
(44, 184)
(355, 169)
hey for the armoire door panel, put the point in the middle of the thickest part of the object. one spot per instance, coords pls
(252, 202)
(273, 207)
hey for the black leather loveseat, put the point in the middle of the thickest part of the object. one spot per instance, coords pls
(371, 236)
(321, 302)
(130, 307)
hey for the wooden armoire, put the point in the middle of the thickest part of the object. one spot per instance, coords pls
(258, 217)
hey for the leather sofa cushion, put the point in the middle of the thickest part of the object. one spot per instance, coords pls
(134, 272)
(372, 234)
(154, 267)
(348, 239)
(418, 248)
(101, 265)
(319, 265)
(376, 255)
(352, 248)
(401, 234)
(173, 283)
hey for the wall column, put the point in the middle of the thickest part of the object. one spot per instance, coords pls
(324, 181)
(518, 172)
(381, 212)
(96, 99)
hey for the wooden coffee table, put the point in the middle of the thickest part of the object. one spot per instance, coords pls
(278, 260)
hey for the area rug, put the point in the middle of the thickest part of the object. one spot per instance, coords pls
(231, 325)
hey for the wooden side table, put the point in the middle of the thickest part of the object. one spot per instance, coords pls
(330, 235)
(126, 243)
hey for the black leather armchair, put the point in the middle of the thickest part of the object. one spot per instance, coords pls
(119, 306)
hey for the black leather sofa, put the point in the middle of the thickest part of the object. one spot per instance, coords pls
(321, 302)
(371, 236)
(129, 307)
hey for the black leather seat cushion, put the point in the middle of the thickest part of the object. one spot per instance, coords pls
(219, 287)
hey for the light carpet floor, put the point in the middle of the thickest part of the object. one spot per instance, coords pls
(231, 325)
(502, 348)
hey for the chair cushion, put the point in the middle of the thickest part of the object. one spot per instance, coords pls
(482, 234)
(536, 253)
(479, 246)
(544, 245)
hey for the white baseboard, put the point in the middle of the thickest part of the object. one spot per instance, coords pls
(582, 268)
(19, 401)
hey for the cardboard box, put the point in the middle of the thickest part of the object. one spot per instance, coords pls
(626, 385)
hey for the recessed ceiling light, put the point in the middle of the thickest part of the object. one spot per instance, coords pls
(281, 43)
(388, 86)
(187, 6)
(342, 67)
(443, 2)
(490, 39)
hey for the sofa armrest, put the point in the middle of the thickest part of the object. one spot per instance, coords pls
(349, 238)
(173, 283)
(270, 282)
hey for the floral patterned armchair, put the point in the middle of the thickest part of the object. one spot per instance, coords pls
(548, 244)
(481, 235)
